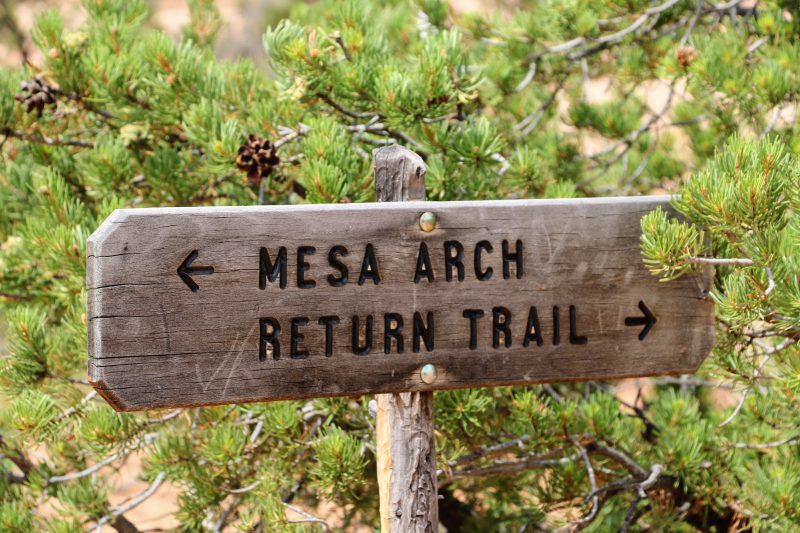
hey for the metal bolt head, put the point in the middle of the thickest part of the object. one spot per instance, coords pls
(428, 373)
(427, 222)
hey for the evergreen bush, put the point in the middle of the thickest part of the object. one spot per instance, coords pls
(119, 115)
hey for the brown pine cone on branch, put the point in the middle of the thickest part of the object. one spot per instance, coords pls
(36, 94)
(257, 157)
(685, 55)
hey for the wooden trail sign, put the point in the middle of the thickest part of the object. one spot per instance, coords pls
(199, 306)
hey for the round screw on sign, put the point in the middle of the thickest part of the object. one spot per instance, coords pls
(428, 373)
(427, 222)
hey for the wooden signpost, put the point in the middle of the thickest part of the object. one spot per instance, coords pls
(216, 305)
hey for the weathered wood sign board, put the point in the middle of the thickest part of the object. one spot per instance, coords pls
(198, 306)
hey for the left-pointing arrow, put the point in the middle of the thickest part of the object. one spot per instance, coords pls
(186, 269)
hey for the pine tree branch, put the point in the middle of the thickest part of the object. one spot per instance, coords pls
(256, 431)
(132, 502)
(763, 333)
(246, 488)
(726, 5)
(529, 75)
(629, 140)
(15, 297)
(166, 418)
(589, 518)
(316, 420)
(770, 282)
(77, 98)
(771, 350)
(205, 193)
(296, 488)
(601, 43)
(49, 141)
(226, 513)
(337, 36)
(638, 171)
(307, 517)
(530, 122)
(546, 461)
(441, 118)
(793, 440)
(18, 458)
(702, 517)
(631, 515)
(74, 409)
(756, 375)
(400, 136)
(776, 113)
(13, 478)
(650, 428)
(720, 261)
(619, 457)
(692, 382)
(640, 485)
(288, 135)
(347, 112)
(489, 450)
(503, 467)
(756, 45)
(123, 525)
(88, 471)
(738, 407)
(553, 393)
(146, 441)
(698, 4)
(138, 499)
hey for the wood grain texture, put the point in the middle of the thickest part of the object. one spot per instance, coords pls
(407, 463)
(153, 342)
(406, 454)
(399, 174)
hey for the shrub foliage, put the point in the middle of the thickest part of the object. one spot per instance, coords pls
(116, 114)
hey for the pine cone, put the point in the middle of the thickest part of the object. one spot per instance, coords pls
(257, 157)
(36, 94)
(685, 55)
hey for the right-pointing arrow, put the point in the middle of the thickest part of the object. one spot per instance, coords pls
(648, 321)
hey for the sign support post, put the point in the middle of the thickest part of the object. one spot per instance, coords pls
(406, 454)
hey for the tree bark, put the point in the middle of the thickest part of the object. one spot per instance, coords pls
(405, 448)
(123, 525)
